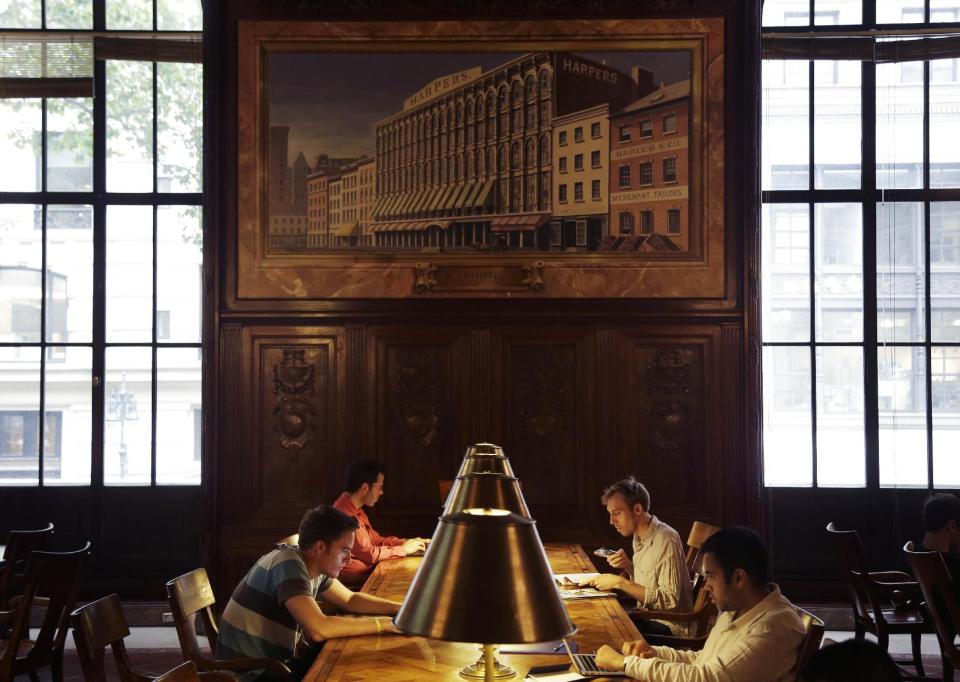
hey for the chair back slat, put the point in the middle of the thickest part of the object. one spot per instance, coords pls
(814, 628)
(292, 540)
(699, 532)
(96, 626)
(940, 596)
(852, 558)
(702, 606)
(191, 596)
(19, 545)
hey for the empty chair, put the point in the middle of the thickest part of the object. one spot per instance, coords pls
(699, 532)
(99, 625)
(940, 595)
(57, 575)
(191, 597)
(872, 593)
(19, 545)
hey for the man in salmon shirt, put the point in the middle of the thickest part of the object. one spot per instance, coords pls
(365, 487)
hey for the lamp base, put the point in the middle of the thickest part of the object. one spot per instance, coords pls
(480, 671)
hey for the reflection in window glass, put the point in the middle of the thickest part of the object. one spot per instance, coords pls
(21, 283)
(179, 263)
(899, 130)
(840, 421)
(179, 15)
(69, 14)
(944, 149)
(839, 271)
(129, 126)
(127, 418)
(944, 269)
(785, 139)
(70, 273)
(70, 145)
(900, 273)
(20, 14)
(68, 395)
(832, 12)
(179, 126)
(899, 11)
(787, 417)
(178, 402)
(946, 416)
(20, 130)
(837, 124)
(944, 10)
(901, 395)
(129, 15)
(19, 412)
(129, 287)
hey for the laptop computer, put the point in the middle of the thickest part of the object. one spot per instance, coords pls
(586, 665)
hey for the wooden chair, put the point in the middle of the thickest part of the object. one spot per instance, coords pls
(19, 545)
(191, 596)
(185, 672)
(814, 628)
(940, 597)
(699, 532)
(700, 618)
(99, 625)
(57, 575)
(290, 540)
(872, 593)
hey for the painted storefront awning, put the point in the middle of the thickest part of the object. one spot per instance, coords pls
(518, 222)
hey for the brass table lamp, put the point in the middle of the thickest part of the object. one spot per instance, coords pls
(486, 579)
(485, 464)
(483, 449)
(483, 490)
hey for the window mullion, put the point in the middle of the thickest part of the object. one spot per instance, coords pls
(868, 183)
(99, 264)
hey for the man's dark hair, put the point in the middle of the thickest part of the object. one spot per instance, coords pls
(363, 471)
(633, 491)
(324, 523)
(938, 510)
(853, 659)
(739, 547)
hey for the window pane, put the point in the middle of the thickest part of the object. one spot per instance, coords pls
(837, 124)
(69, 273)
(69, 13)
(179, 15)
(20, 14)
(126, 439)
(129, 126)
(945, 394)
(945, 270)
(786, 13)
(69, 409)
(785, 139)
(19, 412)
(900, 273)
(178, 418)
(21, 285)
(786, 272)
(944, 10)
(840, 425)
(20, 128)
(179, 126)
(838, 12)
(129, 287)
(902, 404)
(839, 272)
(136, 15)
(179, 273)
(899, 127)
(70, 145)
(944, 143)
(899, 11)
(787, 424)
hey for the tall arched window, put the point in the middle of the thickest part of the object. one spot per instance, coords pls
(530, 153)
(544, 150)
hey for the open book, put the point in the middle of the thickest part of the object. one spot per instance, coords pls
(570, 586)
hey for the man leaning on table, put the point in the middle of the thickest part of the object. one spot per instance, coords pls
(276, 601)
(660, 581)
(757, 635)
(365, 479)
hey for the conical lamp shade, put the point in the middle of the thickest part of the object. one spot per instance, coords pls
(486, 464)
(483, 449)
(485, 579)
(491, 491)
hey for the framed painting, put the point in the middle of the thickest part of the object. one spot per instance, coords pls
(560, 159)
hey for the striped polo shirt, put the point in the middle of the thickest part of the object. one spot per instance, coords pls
(256, 623)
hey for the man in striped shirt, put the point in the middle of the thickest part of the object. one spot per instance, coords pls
(275, 604)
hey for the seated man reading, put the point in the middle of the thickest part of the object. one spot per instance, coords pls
(660, 581)
(365, 487)
(276, 601)
(757, 635)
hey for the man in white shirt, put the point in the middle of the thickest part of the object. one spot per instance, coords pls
(661, 581)
(757, 635)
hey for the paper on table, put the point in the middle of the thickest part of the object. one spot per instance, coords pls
(584, 593)
(563, 676)
(566, 580)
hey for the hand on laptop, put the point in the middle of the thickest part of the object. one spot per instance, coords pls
(608, 659)
(639, 648)
(414, 545)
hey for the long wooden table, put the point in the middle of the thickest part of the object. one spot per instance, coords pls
(393, 658)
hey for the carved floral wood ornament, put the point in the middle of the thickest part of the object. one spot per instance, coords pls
(417, 396)
(421, 233)
(294, 382)
(668, 418)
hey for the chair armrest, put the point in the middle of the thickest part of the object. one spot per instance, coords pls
(247, 664)
(892, 576)
(689, 643)
(8, 614)
(673, 616)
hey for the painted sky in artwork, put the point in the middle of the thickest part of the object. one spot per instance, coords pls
(332, 101)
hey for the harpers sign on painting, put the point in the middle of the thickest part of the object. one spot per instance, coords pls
(391, 149)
